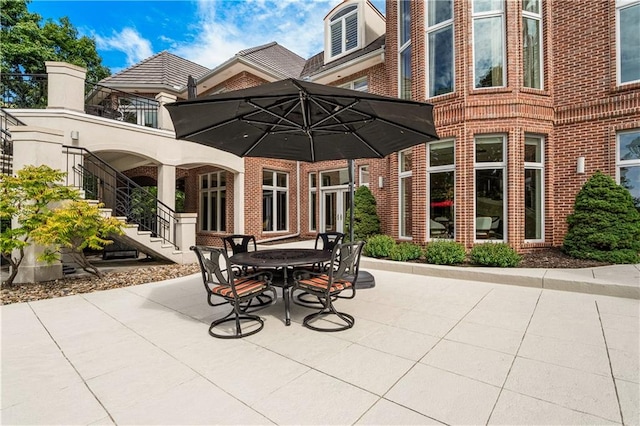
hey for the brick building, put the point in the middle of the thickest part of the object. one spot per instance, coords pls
(531, 98)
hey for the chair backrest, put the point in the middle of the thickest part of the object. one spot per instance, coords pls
(329, 240)
(483, 223)
(215, 267)
(345, 262)
(239, 243)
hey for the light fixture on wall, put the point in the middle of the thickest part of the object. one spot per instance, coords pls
(580, 165)
(75, 135)
(380, 181)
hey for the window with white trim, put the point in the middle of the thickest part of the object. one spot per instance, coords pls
(441, 181)
(440, 48)
(406, 179)
(213, 202)
(532, 43)
(363, 172)
(628, 40)
(490, 174)
(533, 188)
(275, 196)
(313, 201)
(404, 51)
(360, 84)
(343, 31)
(628, 163)
(488, 43)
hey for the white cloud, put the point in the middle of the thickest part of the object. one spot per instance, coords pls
(226, 27)
(129, 41)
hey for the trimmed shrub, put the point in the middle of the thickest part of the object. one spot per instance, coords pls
(605, 224)
(405, 251)
(445, 253)
(365, 216)
(494, 254)
(379, 246)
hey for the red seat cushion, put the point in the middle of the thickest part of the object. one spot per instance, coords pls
(321, 283)
(243, 288)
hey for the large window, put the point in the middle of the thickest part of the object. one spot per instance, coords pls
(532, 43)
(343, 31)
(441, 175)
(275, 196)
(361, 85)
(313, 202)
(628, 163)
(490, 188)
(440, 53)
(404, 51)
(213, 202)
(628, 40)
(405, 159)
(533, 188)
(488, 43)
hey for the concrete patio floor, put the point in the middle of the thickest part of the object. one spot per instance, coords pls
(424, 350)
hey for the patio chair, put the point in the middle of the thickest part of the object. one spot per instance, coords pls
(239, 243)
(483, 227)
(328, 286)
(220, 281)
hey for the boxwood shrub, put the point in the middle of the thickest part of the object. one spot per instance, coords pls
(379, 246)
(405, 251)
(494, 254)
(445, 253)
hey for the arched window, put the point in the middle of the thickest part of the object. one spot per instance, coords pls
(343, 31)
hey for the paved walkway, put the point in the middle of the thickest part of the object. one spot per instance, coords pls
(424, 350)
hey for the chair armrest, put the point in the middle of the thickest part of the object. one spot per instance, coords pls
(299, 274)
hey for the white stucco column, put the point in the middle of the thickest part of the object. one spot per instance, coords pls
(238, 203)
(65, 86)
(164, 119)
(167, 185)
(37, 146)
(186, 235)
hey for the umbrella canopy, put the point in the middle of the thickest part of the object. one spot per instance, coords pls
(298, 120)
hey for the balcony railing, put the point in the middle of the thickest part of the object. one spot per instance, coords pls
(6, 144)
(106, 102)
(29, 91)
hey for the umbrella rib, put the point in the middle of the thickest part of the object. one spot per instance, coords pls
(231, 120)
(264, 135)
(353, 132)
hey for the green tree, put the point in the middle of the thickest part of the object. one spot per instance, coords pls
(365, 216)
(75, 226)
(605, 224)
(27, 198)
(26, 43)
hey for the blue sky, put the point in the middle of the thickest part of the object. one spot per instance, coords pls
(207, 32)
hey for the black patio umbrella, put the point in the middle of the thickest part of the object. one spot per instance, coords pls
(298, 120)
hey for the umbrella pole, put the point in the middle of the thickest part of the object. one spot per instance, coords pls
(351, 196)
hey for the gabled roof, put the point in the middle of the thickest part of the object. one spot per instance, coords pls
(315, 64)
(161, 70)
(275, 57)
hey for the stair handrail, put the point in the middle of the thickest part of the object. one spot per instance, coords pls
(161, 222)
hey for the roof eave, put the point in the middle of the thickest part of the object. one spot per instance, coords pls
(359, 63)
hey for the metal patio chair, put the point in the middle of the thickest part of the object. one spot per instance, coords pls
(221, 281)
(240, 243)
(327, 286)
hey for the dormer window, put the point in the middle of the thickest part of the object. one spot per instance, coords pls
(343, 31)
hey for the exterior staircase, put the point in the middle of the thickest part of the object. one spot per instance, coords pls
(144, 241)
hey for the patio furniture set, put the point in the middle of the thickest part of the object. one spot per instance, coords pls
(248, 279)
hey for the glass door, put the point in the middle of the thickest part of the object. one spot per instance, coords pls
(335, 204)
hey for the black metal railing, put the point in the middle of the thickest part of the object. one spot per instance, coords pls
(6, 143)
(106, 102)
(116, 191)
(24, 90)
(31, 90)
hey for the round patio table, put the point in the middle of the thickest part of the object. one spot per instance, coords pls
(281, 258)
